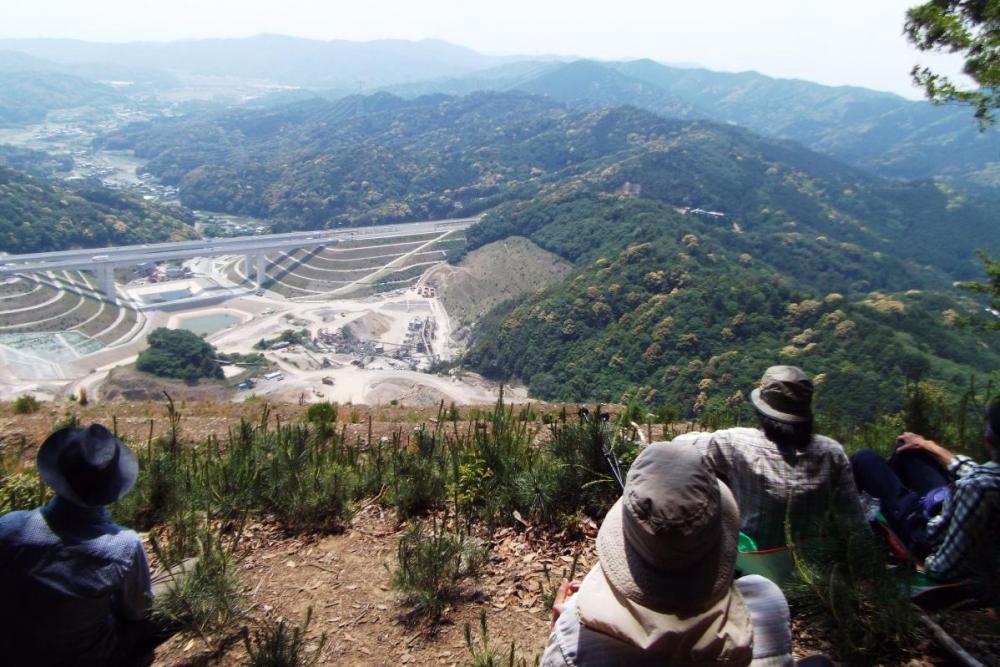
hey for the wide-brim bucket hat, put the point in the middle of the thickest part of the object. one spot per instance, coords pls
(669, 543)
(87, 466)
(785, 394)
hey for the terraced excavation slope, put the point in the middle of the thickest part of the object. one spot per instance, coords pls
(353, 268)
(58, 318)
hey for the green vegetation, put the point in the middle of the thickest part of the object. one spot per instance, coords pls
(684, 313)
(207, 598)
(26, 96)
(547, 469)
(843, 587)
(34, 163)
(281, 645)
(40, 215)
(876, 131)
(431, 565)
(177, 353)
(26, 404)
(484, 655)
(289, 336)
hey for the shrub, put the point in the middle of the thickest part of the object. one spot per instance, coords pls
(206, 599)
(26, 404)
(486, 655)
(83, 396)
(322, 413)
(843, 585)
(308, 488)
(417, 482)
(281, 645)
(20, 488)
(432, 564)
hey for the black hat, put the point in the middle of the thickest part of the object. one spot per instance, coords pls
(89, 467)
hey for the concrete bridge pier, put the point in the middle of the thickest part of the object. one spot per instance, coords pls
(106, 282)
(261, 276)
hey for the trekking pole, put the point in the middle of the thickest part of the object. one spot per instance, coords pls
(610, 457)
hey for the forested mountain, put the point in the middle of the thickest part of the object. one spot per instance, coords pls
(672, 309)
(702, 251)
(384, 159)
(39, 215)
(880, 132)
(30, 88)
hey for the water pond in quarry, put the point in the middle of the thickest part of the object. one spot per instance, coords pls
(205, 325)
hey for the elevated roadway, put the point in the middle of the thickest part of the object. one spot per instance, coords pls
(103, 261)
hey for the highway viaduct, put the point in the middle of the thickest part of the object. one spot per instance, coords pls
(103, 261)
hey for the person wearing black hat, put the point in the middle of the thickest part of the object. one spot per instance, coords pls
(73, 584)
(782, 468)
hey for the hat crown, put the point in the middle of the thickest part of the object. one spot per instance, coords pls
(87, 466)
(98, 451)
(787, 389)
(672, 506)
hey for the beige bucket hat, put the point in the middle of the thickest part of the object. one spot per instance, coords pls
(669, 543)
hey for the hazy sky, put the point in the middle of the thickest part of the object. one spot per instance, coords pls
(834, 41)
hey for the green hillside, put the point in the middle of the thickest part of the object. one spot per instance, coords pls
(702, 252)
(26, 96)
(380, 159)
(672, 310)
(40, 215)
(876, 131)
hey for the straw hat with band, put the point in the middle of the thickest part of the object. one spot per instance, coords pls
(785, 394)
(89, 466)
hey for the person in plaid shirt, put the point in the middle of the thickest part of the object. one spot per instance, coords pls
(944, 506)
(782, 468)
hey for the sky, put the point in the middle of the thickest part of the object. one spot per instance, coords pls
(842, 42)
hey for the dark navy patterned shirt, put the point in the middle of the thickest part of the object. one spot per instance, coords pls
(968, 528)
(68, 577)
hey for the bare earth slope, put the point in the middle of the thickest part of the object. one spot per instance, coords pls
(493, 274)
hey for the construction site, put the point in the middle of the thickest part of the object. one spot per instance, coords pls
(352, 321)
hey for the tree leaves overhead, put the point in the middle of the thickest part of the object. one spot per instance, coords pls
(970, 28)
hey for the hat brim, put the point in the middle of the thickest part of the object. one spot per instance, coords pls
(48, 469)
(690, 590)
(767, 410)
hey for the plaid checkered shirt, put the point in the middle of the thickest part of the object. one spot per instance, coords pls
(765, 479)
(969, 524)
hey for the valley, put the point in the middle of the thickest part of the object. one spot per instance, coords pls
(345, 301)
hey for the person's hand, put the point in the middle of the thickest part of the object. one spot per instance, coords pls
(914, 442)
(566, 590)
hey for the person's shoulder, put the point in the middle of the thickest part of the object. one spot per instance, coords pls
(16, 519)
(827, 445)
(20, 527)
(985, 477)
(741, 435)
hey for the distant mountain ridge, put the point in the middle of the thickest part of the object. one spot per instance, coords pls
(881, 132)
(288, 60)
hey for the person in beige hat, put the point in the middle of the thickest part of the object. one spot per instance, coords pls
(663, 590)
(782, 468)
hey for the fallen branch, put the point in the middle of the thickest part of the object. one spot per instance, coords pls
(946, 642)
